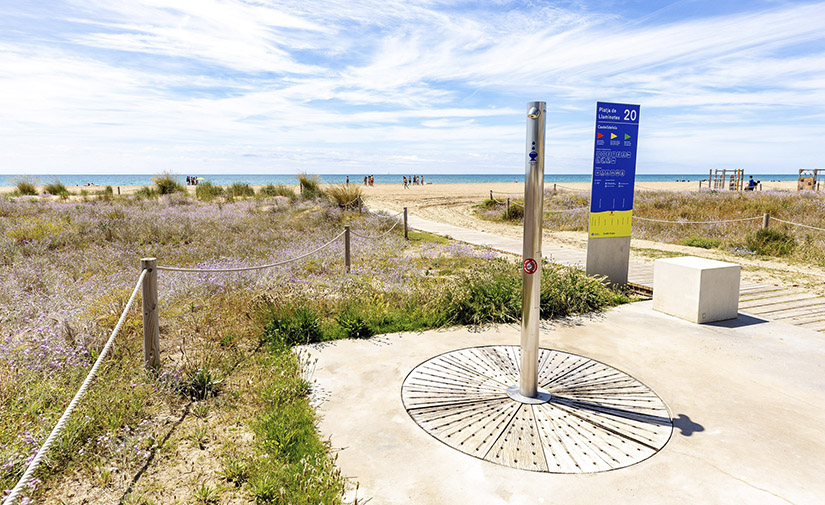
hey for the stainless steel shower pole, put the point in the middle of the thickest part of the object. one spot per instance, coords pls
(531, 264)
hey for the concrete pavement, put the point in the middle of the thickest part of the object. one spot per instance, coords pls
(747, 397)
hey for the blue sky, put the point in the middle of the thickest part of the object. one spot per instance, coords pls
(401, 86)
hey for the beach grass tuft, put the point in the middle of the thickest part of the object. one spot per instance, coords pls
(240, 189)
(57, 188)
(279, 190)
(207, 192)
(310, 186)
(26, 186)
(345, 196)
(167, 183)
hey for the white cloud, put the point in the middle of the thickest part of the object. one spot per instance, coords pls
(341, 83)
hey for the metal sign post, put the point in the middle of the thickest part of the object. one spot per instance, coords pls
(527, 390)
(611, 196)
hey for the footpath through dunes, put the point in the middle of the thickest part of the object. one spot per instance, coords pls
(765, 290)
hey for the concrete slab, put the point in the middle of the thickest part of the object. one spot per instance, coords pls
(747, 396)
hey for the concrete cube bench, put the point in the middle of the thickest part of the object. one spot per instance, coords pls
(696, 289)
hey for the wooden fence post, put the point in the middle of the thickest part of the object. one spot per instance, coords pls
(765, 220)
(554, 187)
(405, 224)
(491, 194)
(151, 322)
(346, 248)
(508, 208)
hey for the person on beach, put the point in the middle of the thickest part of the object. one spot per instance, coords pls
(365, 180)
(347, 180)
(405, 182)
(751, 184)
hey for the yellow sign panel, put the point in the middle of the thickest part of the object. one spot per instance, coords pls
(615, 223)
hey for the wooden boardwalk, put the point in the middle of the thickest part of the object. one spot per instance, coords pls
(775, 303)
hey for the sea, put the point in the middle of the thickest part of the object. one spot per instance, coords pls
(70, 180)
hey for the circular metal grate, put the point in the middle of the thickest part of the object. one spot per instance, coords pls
(598, 418)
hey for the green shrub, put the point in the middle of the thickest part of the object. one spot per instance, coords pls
(26, 186)
(206, 191)
(514, 213)
(353, 323)
(292, 325)
(489, 203)
(145, 192)
(279, 190)
(703, 242)
(345, 196)
(770, 242)
(310, 186)
(57, 189)
(167, 184)
(240, 189)
(493, 295)
(200, 384)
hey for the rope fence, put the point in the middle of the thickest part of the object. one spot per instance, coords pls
(798, 224)
(765, 217)
(368, 237)
(147, 281)
(697, 222)
(61, 423)
(257, 267)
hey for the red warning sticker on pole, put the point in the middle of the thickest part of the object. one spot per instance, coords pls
(530, 266)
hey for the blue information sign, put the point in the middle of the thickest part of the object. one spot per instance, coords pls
(614, 169)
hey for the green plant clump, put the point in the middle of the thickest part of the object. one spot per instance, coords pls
(310, 186)
(703, 242)
(279, 190)
(488, 294)
(345, 196)
(57, 189)
(240, 189)
(770, 242)
(293, 326)
(26, 186)
(207, 192)
(167, 183)
(514, 212)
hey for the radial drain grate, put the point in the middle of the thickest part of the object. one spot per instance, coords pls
(598, 418)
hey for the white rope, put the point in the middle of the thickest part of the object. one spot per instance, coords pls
(376, 236)
(389, 217)
(507, 194)
(697, 222)
(61, 423)
(573, 190)
(245, 269)
(796, 224)
(577, 209)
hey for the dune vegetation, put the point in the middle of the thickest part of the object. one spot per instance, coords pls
(729, 221)
(226, 418)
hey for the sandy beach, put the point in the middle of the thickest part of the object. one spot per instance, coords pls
(473, 190)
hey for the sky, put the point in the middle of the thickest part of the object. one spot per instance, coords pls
(404, 86)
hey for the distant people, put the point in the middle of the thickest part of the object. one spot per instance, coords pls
(405, 182)
(751, 184)
(372, 180)
(347, 180)
(365, 180)
(421, 177)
